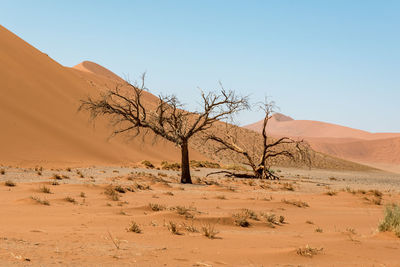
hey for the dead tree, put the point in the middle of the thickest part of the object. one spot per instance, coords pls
(259, 159)
(129, 111)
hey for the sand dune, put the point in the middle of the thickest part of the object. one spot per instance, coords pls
(309, 128)
(39, 99)
(381, 150)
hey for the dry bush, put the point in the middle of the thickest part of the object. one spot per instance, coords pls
(120, 189)
(55, 183)
(173, 228)
(319, 230)
(241, 219)
(331, 193)
(142, 186)
(45, 189)
(70, 199)
(9, 183)
(209, 231)
(134, 228)
(270, 219)
(2, 171)
(148, 164)
(204, 164)
(376, 193)
(183, 211)
(82, 194)
(288, 187)
(221, 197)
(297, 203)
(111, 193)
(391, 221)
(57, 177)
(165, 165)
(309, 222)
(169, 193)
(191, 228)
(308, 251)
(40, 201)
(157, 207)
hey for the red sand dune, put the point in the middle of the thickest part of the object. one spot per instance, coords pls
(40, 124)
(380, 150)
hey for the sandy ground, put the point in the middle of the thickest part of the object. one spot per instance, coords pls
(91, 228)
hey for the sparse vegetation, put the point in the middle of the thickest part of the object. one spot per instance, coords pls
(209, 231)
(157, 207)
(183, 211)
(297, 203)
(82, 195)
(2, 171)
(40, 201)
(165, 165)
(319, 230)
(169, 193)
(288, 186)
(308, 251)
(45, 189)
(9, 183)
(134, 228)
(241, 219)
(391, 220)
(111, 193)
(331, 193)
(57, 177)
(173, 228)
(204, 164)
(221, 197)
(70, 199)
(148, 164)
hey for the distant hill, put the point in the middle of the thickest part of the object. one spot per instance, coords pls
(364, 147)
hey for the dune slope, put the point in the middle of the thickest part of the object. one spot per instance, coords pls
(40, 124)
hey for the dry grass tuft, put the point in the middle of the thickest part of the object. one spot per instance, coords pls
(9, 183)
(288, 186)
(297, 203)
(40, 201)
(165, 165)
(157, 207)
(209, 231)
(111, 193)
(70, 199)
(331, 193)
(204, 164)
(319, 230)
(45, 189)
(148, 164)
(308, 251)
(183, 211)
(134, 228)
(173, 228)
(391, 221)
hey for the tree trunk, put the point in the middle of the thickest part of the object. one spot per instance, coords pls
(185, 176)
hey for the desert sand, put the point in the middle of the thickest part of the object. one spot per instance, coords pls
(70, 194)
(83, 225)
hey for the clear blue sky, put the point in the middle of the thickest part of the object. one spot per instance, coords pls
(334, 61)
